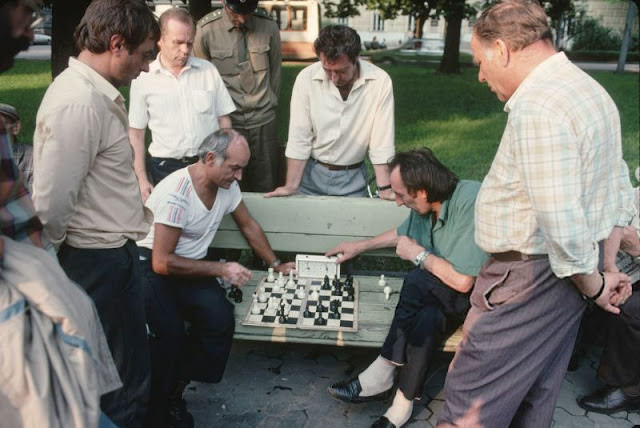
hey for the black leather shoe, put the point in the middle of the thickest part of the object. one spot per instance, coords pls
(179, 417)
(609, 400)
(383, 422)
(349, 392)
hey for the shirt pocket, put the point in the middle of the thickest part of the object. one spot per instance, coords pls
(203, 100)
(259, 56)
(225, 62)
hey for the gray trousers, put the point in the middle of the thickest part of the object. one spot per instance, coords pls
(319, 180)
(518, 339)
(261, 173)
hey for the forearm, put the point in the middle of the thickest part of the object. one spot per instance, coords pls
(445, 272)
(136, 138)
(386, 240)
(295, 169)
(382, 174)
(172, 264)
(224, 121)
(258, 242)
(611, 247)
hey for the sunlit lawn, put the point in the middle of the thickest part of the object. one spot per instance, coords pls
(460, 119)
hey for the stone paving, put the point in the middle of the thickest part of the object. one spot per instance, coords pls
(284, 385)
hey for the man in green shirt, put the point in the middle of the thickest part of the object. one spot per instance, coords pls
(438, 238)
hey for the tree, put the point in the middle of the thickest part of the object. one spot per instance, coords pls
(66, 16)
(453, 11)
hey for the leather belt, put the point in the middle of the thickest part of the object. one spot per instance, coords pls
(331, 167)
(187, 160)
(516, 256)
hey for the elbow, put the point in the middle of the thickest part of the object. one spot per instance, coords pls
(160, 265)
(466, 284)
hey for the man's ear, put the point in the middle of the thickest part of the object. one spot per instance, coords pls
(420, 194)
(501, 49)
(116, 44)
(210, 157)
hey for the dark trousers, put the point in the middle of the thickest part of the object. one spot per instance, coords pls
(426, 311)
(620, 362)
(178, 356)
(261, 174)
(161, 167)
(112, 278)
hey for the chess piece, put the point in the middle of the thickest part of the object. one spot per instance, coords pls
(270, 276)
(300, 293)
(320, 319)
(276, 287)
(290, 282)
(262, 297)
(319, 307)
(255, 309)
(381, 281)
(334, 305)
(335, 313)
(314, 296)
(387, 292)
(236, 294)
(307, 313)
(325, 283)
(280, 279)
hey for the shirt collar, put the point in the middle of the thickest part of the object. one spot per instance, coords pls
(366, 69)
(228, 25)
(96, 79)
(157, 67)
(545, 68)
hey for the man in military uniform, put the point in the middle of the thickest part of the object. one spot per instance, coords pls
(244, 44)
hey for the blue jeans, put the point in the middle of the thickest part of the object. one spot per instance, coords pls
(111, 277)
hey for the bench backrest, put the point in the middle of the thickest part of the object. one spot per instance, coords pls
(313, 224)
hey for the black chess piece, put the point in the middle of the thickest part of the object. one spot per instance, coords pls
(307, 313)
(325, 283)
(236, 294)
(334, 305)
(319, 307)
(320, 319)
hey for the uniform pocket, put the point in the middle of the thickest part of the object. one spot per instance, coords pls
(225, 62)
(259, 56)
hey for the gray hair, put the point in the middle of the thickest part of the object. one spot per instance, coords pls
(217, 143)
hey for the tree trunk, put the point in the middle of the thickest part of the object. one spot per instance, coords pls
(626, 39)
(199, 8)
(450, 62)
(66, 16)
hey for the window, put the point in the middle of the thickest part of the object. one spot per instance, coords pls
(343, 21)
(290, 18)
(378, 22)
(434, 22)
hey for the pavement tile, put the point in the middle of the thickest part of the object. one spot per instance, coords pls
(563, 419)
(606, 421)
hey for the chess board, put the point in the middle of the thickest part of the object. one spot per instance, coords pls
(285, 296)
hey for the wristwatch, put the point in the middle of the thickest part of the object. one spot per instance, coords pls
(419, 260)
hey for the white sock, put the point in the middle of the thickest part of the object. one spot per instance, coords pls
(376, 378)
(400, 411)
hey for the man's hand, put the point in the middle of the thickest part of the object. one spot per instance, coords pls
(346, 251)
(145, 189)
(282, 191)
(285, 268)
(408, 248)
(617, 289)
(387, 194)
(236, 274)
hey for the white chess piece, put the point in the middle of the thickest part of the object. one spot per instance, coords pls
(314, 295)
(255, 309)
(300, 293)
(290, 283)
(387, 292)
(280, 279)
(270, 277)
(381, 281)
(276, 287)
(262, 297)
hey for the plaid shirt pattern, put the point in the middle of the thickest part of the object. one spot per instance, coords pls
(556, 185)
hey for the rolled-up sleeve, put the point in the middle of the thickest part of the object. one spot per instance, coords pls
(138, 111)
(301, 133)
(381, 147)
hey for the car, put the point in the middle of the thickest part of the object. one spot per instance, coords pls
(41, 39)
(413, 50)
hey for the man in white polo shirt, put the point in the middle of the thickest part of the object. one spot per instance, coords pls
(341, 108)
(182, 99)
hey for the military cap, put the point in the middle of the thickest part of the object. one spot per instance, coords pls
(9, 111)
(243, 7)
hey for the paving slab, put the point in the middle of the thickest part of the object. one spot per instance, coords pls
(270, 385)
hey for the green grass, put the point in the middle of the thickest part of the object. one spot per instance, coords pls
(460, 119)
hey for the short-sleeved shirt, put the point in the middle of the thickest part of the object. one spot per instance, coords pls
(179, 110)
(253, 81)
(451, 236)
(174, 202)
(340, 132)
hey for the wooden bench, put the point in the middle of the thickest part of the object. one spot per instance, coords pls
(314, 224)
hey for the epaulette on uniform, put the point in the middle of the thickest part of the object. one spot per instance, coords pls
(261, 13)
(210, 17)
